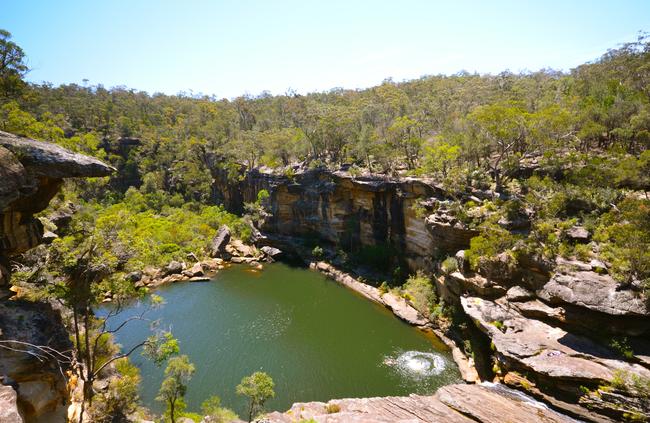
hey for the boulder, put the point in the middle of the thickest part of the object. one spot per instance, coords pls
(174, 267)
(219, 242)
(199, 279)
(195, 271)
(448, 234)
(48, 237)
(519, 294)
(578, 234)
(271, 253)
(8, 405)
(595, 292)
(62, 217)
(458, 284)
(135, 276)
(243, 249)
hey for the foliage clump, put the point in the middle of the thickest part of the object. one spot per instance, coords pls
(419, 290)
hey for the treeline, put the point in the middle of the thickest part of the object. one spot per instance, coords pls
(449, 127)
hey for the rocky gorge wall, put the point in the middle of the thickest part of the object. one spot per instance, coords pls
(351, 212)
(31, 173)
(548, 329)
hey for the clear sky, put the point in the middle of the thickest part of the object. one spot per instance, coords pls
(231, 47)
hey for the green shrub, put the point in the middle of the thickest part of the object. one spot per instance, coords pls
(419, 210)
(583, 252)
(488, 245)
(622, 346)
(217, 414)
(449, 265)
(419, 290)
(624, 234)
(332, 408)
(632, 383)
(317, 252)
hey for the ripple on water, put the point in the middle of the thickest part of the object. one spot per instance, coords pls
(417, 364)
(271, 325)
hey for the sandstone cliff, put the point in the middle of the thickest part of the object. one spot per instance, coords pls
(31, 173)
(352, 212)
(549, 329)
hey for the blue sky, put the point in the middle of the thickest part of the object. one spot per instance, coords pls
(229, 48)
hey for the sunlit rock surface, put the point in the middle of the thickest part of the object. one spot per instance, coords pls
(31, 173)
(452, 403)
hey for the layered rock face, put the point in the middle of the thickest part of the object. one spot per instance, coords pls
(564, 332)
(351, 212)
(454, 403)
(31, 173)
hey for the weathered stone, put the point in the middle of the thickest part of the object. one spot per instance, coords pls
(548, 351)
(243, 249)
(219, 242)
(134, 276)
(595, 292)
(199, 279)
(62, 217)
(565, 265)
(620, 405)
(404, 310)
(598, 266)
(174, 267)
(519, 294)
(48, 237)
(496, 404)
(578, 234)
(50, 160)
(41, 388)
(452, 403)
(364, 211)
(8, 405)
(13, 176)
(502, 268)
(271, 252)
(460, 284)
(515, 380)
(538, 310)
(195, 271)
(31, 173)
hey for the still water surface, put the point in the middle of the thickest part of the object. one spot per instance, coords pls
(318, 340)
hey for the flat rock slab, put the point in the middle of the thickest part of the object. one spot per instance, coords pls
(453, 403)
(533, 345)
(51, 160)
(404, 310)
(595, 292)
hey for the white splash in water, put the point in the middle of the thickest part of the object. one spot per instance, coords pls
(417, 363)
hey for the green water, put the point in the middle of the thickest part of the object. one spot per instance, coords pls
(318, 340)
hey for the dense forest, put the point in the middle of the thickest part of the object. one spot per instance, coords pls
(586, 133)
(563, 149)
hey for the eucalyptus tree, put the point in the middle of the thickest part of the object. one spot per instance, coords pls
(12, 66)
